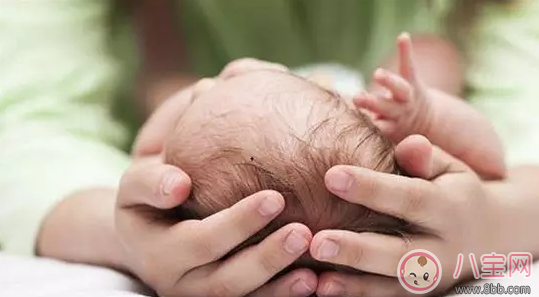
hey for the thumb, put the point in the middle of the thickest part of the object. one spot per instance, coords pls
(419, 158)
(150, 182)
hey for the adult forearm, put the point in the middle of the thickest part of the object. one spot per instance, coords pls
(519, 198)
(81, 229)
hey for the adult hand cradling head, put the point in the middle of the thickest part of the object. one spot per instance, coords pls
(200, 243)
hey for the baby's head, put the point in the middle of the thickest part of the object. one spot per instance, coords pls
(272, 130)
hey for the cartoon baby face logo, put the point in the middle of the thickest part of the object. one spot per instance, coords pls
(419, 271)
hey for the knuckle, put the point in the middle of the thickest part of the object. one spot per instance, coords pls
(416, 200)
(356, 257)
(203, 249)
(413, 204)
(271, 263)
(206, 252)
(363, 187)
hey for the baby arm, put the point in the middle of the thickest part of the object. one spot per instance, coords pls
(410, 107)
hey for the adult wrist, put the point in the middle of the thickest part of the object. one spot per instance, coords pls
(81, 229)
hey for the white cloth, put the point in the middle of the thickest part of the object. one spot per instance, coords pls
(39, 277)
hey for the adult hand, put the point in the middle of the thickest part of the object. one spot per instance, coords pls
(447, 200)
(182, 258)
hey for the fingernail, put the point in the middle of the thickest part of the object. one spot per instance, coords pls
(339, 181)
(300, 288)
(327, 249)
(295, 243)
(404, 35)
(335, 288)
(171, 180)
(269, 207)
(384, 94)
(379, 73)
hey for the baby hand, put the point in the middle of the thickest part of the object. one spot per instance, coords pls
(405, 109)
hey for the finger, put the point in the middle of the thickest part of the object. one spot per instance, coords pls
(298, 283)
(367, 285)
(395, 195)
(152, 183)
(387, 127)
(443, 163)
(151, 137)
(213, 237)
(407, 66)
(369, 252)
(254, 265)
(383, 107)
(416, 155)
(197, 243)
(244, 65)
(260, 263)
(202, 86)
(146, 188)
(401, 89)
(372, 116)
(382, 93)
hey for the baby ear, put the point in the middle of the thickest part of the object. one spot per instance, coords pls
(414, 156)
